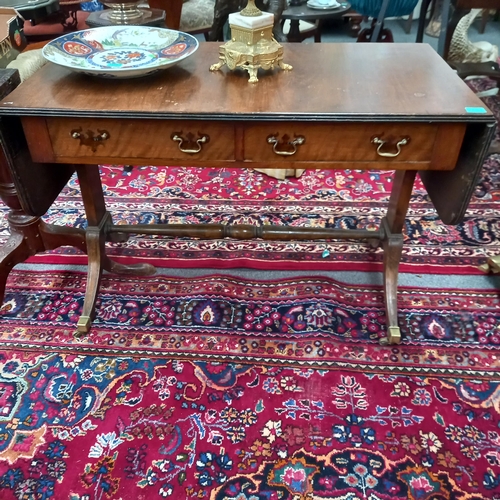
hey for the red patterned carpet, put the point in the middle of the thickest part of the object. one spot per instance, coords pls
(349, 199)
(88, 427)
(228, 388)
(224, 387)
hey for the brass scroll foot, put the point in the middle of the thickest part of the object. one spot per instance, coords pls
(285, 66)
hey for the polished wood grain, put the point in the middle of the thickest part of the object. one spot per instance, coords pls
(141, 139)
(327, 146)
(332, 82)
(345, 106)
(347, 142)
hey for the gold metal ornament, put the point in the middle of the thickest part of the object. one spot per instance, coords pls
(252, 45)
(251, 10)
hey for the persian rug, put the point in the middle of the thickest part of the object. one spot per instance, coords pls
(347, 200)
(314, 322)
(84, 427)
(225, 388)
(228, 388)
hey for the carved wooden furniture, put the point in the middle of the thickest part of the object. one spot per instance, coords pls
(189, 16)
(41, 13)
(296, 14)
(68, 17)
(26, 194)
(412, 114)
(34, 10)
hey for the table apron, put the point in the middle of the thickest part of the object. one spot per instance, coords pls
(204, 143)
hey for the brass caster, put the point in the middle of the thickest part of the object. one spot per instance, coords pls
(394, 335)
(83, 325)
(492, 265)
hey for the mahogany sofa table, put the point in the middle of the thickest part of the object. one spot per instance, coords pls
(343, 106)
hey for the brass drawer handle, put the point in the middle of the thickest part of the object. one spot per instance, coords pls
(90, 138)
(381, 142)
(273, 139)
(190, 140)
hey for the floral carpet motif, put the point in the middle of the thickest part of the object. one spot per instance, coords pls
(94, 428)
(333, 199)
(311, 322)
(221, 388)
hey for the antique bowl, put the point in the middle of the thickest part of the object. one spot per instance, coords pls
(120, 51)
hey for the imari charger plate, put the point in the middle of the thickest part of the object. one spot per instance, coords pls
(120, 51)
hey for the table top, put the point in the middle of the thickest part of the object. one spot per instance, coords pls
(329, 82)
(304, 13)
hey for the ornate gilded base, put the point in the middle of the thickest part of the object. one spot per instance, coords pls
(251, 48)
(265, 54)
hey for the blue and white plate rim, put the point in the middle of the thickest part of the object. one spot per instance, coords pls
(107, 28)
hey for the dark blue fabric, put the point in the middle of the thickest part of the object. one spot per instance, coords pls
(396, 8)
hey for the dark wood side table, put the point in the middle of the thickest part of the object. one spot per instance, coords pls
(299, 13)
(324, 114)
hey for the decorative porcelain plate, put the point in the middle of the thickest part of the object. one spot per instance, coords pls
(120, 51)
(326, 6)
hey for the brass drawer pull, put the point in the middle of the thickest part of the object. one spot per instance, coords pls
(190, 140)
(90, 138)
(381, 142)
(273, 139)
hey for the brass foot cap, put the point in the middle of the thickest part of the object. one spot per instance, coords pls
(394, 335)
(83, 325)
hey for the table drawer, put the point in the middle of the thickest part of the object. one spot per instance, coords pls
(350, 142)
(141, 139)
